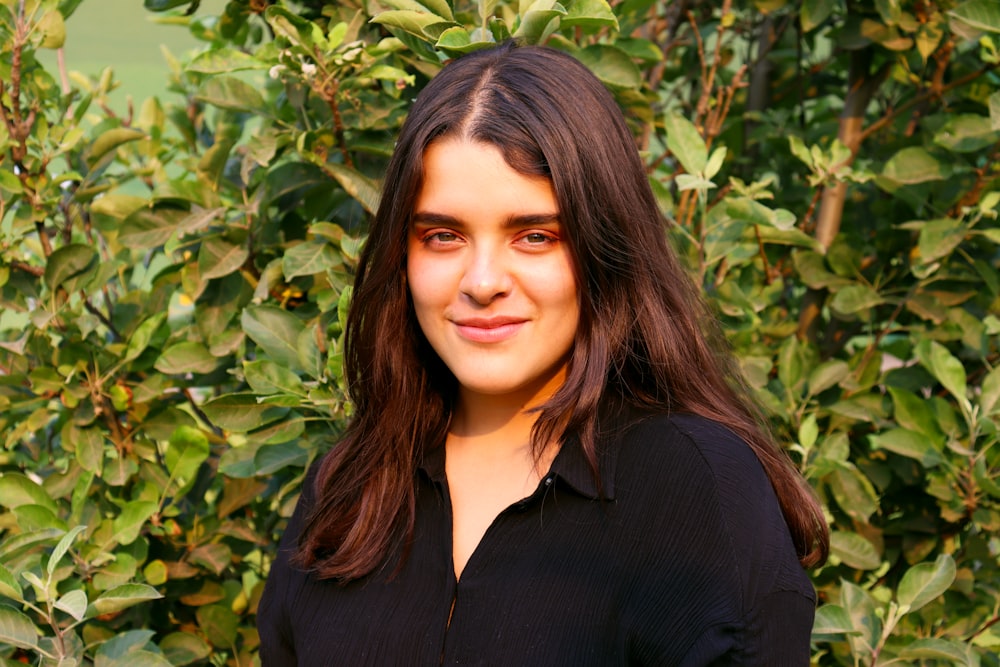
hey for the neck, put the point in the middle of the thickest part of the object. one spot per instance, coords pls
(500, 422)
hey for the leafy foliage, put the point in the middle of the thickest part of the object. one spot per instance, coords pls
(174, 282)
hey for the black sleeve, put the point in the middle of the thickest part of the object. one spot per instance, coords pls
(277, 648)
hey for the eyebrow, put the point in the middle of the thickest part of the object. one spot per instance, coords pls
(430, 218)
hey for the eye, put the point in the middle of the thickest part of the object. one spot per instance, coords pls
(537, 239)
(441, 238)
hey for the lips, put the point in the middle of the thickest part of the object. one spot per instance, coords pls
(488, 330)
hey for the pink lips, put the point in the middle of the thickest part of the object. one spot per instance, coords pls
(488, 330)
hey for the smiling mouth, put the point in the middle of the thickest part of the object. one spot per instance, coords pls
(488, 331)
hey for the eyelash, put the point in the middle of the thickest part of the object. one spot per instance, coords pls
(532, 238)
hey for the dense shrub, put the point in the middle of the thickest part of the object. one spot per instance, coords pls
(173, 285)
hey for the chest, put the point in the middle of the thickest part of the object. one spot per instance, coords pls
(555, 579)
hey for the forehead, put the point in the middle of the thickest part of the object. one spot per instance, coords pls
(470, 179)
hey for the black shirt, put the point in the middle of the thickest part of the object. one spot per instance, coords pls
(684, 559)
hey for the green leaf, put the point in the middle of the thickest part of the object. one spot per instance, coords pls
(832, 619)
(139, 340)
(269, 459)
(123, 597)
(860, 606)
(218, 257)
(421, 24)
(593, 14)
(16, 629)
(854, 550)
(990, 393)
(908, 443)
(945, 367)
(52, 27)
(9, 182)
(854, 492)
(129, 523)
(363, 189)
(183, 648)
(925, 582)
(150, 228)
(979, 14)
(62, 547)
(855, 298)
(186, 357)
(69, 262)
(109, 141)
(267, 377)
(227, 92)
(276, 331)
(538, 21)
(73, 603)
(826, 375)
(223, 60)
(241, 412)
(308, 258)
(686, 143)
(938, 238)
(965, 133)
(187, 449)
(913, 165)
(219, 625)
(815, 12)
(9, 586)
(936, 649)
(16, 490)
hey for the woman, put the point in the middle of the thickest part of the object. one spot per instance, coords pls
(548, 463)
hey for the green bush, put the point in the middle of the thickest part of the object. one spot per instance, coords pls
(173, 286)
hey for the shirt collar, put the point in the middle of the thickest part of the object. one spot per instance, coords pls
(570, 464)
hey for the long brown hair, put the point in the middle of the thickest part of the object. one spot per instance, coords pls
(645, 337)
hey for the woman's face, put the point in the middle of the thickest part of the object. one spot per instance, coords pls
(490, 275)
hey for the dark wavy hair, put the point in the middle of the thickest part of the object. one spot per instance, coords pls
(645, 339)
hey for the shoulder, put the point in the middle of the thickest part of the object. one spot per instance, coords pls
(700, 468)
(674, 445)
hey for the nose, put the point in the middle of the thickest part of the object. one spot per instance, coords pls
(487, 275)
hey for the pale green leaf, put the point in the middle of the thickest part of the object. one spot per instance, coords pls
(908, 443)
(965, 133)
(139, 340)
(62, 547)
(219, 257)
(945, 367)
(592, 14)
(936, 649)
(420, 24)
(309, 258)
(183, 648)
(186, 357)
(266, 377)
(979, 14)
(826, 375)
(223, 60)
(16, 490)
(9, 586)
(69, 262)
(269, 459)
(150, 228)
(832, 619)
(276, 331)
(133, 517)
(686, 143)
(539, 21)
(73, 603)
(924, 582)
(363, 189)
(854, 550)
(990, 393)
(187, 449)
(241, 412)
(123, 597)
(938, 238)
(227, 92)
(855, 298)
(108, 141)
(16, 629)
(913, 165)
(854, 492)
